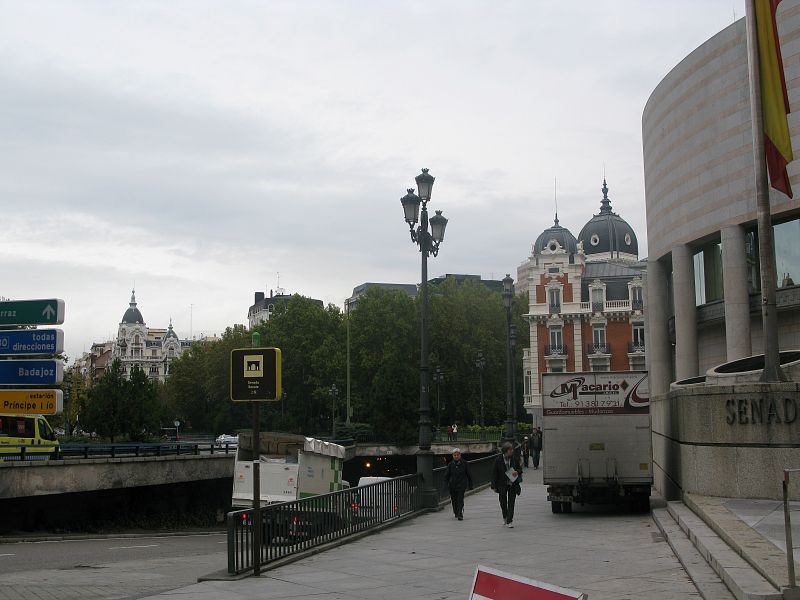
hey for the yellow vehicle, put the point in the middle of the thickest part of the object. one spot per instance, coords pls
(31, 432)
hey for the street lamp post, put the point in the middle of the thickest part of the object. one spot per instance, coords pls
(428, 243)
(508, 297)
(438, 377)
(480, 362)
(334, 396)
(513, 336)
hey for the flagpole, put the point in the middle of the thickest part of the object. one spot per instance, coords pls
(766, 251)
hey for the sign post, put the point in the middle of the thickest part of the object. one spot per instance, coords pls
(256, 378)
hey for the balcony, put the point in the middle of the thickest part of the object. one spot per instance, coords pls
(637, 305)
(555, 308)
(555, 350)
(598, 307)
(636, 348)
(598, 349)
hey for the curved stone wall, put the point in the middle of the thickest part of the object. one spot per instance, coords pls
(729, 441)
(698, 154)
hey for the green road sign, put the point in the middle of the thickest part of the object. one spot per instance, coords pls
(32, 312)
(256, 375)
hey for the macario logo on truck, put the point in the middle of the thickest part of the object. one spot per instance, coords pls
(595, 393)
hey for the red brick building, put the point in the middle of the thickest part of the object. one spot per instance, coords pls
(586, 308)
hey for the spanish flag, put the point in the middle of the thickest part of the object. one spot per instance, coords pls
(774, 99)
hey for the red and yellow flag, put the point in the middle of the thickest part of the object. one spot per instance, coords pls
(774, 99)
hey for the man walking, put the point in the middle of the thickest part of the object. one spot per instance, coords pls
(505, 481)
(536, 446)
(458, 480)
(526, 451)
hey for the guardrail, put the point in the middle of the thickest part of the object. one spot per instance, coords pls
(291, 527)
(61, 451)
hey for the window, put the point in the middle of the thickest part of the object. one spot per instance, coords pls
(554, 296)
(638, 337)
(556, 341)
(599, 340)
(136, 339)
(787, 252)
(637, 300)
(527, 383)
(597, 299)
(154, 352)
(708, 274)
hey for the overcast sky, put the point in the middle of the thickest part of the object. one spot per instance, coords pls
(199, 148)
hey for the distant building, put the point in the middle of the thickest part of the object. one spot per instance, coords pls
(151, 349)
(496, 285)
(360, 290)
(586, 306)
(264, 306)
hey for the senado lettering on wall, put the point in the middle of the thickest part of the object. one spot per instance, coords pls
(758, 411)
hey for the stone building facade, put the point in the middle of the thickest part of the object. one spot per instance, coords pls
(703, 273)
(586, 301)
(151, 349)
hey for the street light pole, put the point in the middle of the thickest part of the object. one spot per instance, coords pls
(480, 362)
(334, 395)
(513, 336)
(428, 243)
(508, 297)
(438, 377)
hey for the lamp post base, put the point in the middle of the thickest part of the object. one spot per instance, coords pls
(430, 495)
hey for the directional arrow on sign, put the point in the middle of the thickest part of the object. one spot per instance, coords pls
(48, 312)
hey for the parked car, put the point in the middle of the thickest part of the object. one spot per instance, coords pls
(225, 439)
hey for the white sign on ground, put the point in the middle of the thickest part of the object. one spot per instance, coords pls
(491, 584)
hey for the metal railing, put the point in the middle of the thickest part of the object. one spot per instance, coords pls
(555, 308)
(17, 452)
(558, 350)
(291, 527)
(598, 307)
(480, 470)
(635, 347)
(598, 349)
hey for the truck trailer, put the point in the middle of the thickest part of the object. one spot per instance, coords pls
(597, 447)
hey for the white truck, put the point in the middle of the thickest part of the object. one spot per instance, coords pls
(596, 439)
(291, 467)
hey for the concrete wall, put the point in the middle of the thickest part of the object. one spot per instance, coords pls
(698, 152)
(39, 478)
(708, 440)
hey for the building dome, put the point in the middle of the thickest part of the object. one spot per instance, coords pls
(133, 316)
(555, 238)
(607, 235)
(171, 332)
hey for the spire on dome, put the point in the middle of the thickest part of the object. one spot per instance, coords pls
(555, 221)
(133, 298)
(605, 203)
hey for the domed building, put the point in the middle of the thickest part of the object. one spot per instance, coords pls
(586, 310)
(151, 349)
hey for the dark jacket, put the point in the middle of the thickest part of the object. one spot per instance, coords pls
(499, 479)
(536, 440)
(457, 475)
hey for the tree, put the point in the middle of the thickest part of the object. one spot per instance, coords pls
(140, 413)
(104, 407)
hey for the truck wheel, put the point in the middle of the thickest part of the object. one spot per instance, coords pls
(566, 507)
(556, 506)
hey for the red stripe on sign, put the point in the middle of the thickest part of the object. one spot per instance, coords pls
(500, 588)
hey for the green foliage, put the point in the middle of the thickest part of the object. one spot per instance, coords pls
(384, 341)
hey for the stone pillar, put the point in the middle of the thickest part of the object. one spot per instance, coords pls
(737, 298)
(659, 352)
(686, 363)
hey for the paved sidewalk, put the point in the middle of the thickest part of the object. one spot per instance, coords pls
(606, 553)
